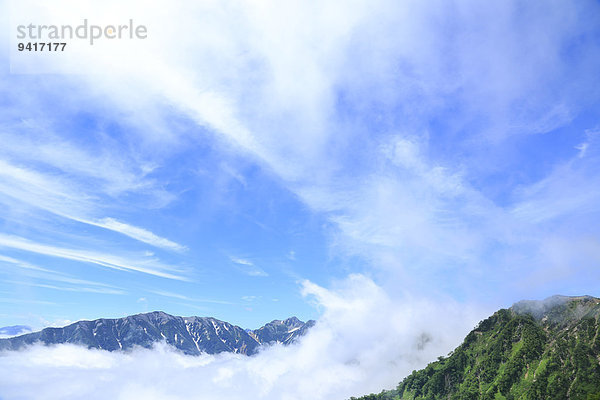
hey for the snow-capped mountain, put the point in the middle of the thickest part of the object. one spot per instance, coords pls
(281, 331)
(192, 335)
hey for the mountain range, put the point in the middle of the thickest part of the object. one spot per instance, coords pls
(535, 350)
(191, 335)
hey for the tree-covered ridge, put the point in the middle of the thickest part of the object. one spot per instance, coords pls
(532, 351)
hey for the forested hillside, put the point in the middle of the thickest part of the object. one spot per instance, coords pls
(534, 350)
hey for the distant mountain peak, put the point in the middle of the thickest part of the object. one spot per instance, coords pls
(192, 335)
(282, 331)
(293, 322)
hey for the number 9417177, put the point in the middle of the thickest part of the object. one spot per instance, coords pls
(41, 46)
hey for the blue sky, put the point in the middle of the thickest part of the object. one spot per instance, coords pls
(448, 150)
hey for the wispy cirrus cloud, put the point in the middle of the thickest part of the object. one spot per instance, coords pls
(48, 192)
(394, 120)
(393, 66)
(151, 267)
(38, 144)
(22, 264)
(27, 301)
(248, 267)
(137, 233)
(82, 289)
(67, 199)
(33, 271)
(180, 296)
(567, 191)
(407, 111)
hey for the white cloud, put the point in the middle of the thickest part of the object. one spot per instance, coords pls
(45, 191)
(35, 271)
(13, 300)
(567, 191)
(137, 233)
(64, 198)
(248, 267)
(183, 297)
(38, 144)
(151, 267)
(363, 343)
(83, 289)
(22, 264)
(241, 261)
(270, 86)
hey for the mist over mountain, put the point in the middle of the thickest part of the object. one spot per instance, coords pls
(191, 335)
(14, 330)
(363, 341)
(534, 350)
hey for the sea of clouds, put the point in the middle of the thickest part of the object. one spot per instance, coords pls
(364, 342)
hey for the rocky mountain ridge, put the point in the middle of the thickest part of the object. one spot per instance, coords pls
(192, 335)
